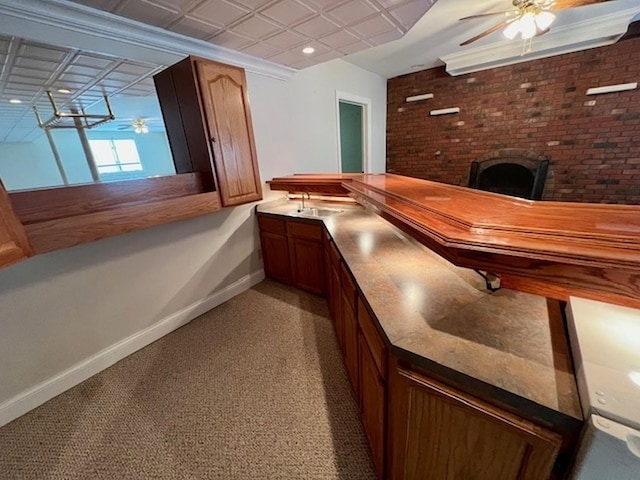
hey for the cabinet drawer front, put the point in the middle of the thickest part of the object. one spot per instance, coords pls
(273, 225)
(348, 285)
(374, 340)
(305, 230)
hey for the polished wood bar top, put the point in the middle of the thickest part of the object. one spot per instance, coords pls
(580, 233)
(555, 249)
(507, 346)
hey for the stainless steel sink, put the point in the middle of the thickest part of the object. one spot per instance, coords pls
(316, 212)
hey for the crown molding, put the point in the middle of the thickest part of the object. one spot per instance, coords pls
(72, 25)
(592, 33)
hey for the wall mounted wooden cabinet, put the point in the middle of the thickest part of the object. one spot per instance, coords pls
(206, 111)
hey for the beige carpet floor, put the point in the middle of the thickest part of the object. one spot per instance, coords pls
(253, 389)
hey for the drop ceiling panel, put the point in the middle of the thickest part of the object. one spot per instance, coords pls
(408, 13)
(257, 27)
(327, 4)
(352, 12)
(385, 37)
(278, 29)
(317, 27)
(372, 27)
(263, 50)
(339, 39)
(192, 27)
(91, 61)
(287, 40)
(254, 4)
(288, 12)
(147, 12)
(232, 40)
(218, 12)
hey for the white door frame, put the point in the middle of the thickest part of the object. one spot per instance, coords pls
(365, 103)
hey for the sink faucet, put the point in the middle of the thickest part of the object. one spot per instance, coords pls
(308, 198)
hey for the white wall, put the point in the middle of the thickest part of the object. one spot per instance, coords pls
(60, 309)
(312, 106)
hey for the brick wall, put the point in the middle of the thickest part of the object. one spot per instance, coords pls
(593, 142)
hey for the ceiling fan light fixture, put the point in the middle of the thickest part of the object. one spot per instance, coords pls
(512, 30)
(528, 28)
(140, 126)
(544, 20)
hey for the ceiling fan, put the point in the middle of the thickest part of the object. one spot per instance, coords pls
(138, 125)
(528, 18)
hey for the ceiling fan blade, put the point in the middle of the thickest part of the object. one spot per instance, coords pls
(565, 4)
(480, 15)
(487, 32)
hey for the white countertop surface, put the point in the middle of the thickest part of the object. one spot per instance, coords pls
(606, 347)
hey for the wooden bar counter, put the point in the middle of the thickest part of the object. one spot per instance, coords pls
(554, 249)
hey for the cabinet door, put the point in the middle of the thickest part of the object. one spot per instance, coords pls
(226, 104)
(350, 326)
(373, 398)
(329, 283)
(275, 253)
(440, 434)
(307, 264)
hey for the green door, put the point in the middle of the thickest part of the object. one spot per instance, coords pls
(351, 141)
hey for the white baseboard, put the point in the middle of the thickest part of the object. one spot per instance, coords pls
(39, 394)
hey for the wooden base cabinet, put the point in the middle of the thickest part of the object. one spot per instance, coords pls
(293, 252)
(275, 249)
(373, 400)
(372, 356)
(441, 434)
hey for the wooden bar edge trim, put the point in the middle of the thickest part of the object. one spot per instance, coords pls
(56, 234)
(58, 203)
(14, 243)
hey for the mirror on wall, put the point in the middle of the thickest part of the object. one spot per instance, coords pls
(132, 145)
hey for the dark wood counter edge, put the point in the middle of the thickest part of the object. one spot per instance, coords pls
(512, 402)
(324, 184)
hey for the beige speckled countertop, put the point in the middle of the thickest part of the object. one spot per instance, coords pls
(509, 345)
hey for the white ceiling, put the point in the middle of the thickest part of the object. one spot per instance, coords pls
(278, 29)
(28, 69)
(439, 33)
(388, 37)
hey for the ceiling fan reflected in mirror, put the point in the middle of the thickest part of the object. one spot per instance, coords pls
(528, 18)
(138, 125)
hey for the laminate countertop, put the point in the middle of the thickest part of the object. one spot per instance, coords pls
(508, 346)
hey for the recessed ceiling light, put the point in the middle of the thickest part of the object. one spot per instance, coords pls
(15, 100)
(308, 50)
(64, 90)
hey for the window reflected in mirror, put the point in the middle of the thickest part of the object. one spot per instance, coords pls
(52, 151)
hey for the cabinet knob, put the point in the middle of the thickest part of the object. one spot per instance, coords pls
(213, 140)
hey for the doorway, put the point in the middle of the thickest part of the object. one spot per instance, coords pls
(351, 138)
(353, 133)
